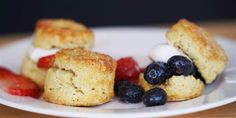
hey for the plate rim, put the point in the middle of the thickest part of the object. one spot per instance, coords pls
(109, 114)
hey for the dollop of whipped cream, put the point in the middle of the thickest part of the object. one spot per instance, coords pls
(36, 53)
(162, 52)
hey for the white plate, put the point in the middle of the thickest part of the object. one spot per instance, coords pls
(120, 42)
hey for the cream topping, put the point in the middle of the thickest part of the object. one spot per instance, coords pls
(36, 53)
(162, 52)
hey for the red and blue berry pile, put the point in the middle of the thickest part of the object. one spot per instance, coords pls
(156, 73)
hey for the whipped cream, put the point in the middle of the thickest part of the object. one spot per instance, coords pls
(36, 53)
(162, 52)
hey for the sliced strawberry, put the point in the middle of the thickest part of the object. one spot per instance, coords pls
(17, 85)
(4, 71)
(46, 62)
(127, 68)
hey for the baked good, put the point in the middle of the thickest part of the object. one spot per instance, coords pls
(80, 78)
(177, 87)
(60, 33)
(50, 36)
(208, 56)
(30, 69)
(191, 54)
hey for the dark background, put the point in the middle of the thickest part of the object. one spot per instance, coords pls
(21, 15)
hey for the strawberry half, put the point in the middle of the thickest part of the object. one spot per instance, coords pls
(46, 62)
(17, 85)
(4, 71)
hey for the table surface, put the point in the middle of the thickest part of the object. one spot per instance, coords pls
(223, 28)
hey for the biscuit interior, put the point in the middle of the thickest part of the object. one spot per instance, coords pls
(30, 69)
(178, 88)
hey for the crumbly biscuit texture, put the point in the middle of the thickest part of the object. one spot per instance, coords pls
(29, 69)
(80, 78)
(200, 46)
(178, 88)
(61, 33)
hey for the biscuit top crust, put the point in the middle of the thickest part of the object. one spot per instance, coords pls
(61, 33)
(200, 46)
(206, 42)
(63, 24)
(79, 58)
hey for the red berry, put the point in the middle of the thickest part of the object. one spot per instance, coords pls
(17, 85)
(142, 70)
(46, 62)
(4, 72)
(128, 69)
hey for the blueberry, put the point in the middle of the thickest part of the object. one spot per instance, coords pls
(199, 76)
(196, 74)
(156, 73)
(194, 71)
(155, 96)
(132, 94)
(120, 86)
(180, 65)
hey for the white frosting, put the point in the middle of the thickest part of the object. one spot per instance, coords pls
(162, 52)
(36, 53)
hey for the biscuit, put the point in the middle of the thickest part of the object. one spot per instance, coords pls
(60, 33)
(80, 78)
(178, 88)
(200, 46)
(30, 70)
(55, 33)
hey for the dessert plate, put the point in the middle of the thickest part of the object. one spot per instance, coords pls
(120, 42)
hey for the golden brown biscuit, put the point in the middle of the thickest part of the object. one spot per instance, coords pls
(55, 33)
(80, 78)
(177, 87)
(59, 33)
(200, 46)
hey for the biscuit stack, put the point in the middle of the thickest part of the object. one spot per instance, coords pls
(201, 47)
(59, 34)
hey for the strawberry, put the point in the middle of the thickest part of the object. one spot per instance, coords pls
(46, 62)
(4, 71)
(128, 69)
(17, 85)
(142, 70)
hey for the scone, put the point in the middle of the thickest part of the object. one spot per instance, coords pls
(61, 33)
(80, 78)
(198, 49)
(200, 46)
(177, 87)
(50, 36)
